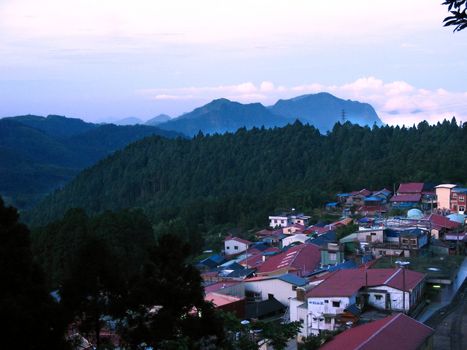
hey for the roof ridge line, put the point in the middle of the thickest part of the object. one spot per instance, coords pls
(378, 331)
(392, 276)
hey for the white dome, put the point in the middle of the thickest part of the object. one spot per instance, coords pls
(414, 214)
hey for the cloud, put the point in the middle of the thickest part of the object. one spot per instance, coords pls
(396, 102)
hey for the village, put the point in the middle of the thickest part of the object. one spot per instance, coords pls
(373, 277)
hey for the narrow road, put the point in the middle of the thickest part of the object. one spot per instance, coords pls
(451, 328)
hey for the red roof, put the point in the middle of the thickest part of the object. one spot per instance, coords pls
(303, 258)
(221, 299)
(349, 282)
(443, 221)
(411, 187)
(407, 198)
(393, 332)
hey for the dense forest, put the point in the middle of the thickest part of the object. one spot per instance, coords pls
(239, 178)
(39, 154)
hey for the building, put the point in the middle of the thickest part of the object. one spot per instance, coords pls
(443, 196)
(332, 254)
(229, 303)
(406, 201)
(281, 287)
(287, 219)
(458, 200)
(299, 260)
(392, 289)
(235, 245)
(393, 332)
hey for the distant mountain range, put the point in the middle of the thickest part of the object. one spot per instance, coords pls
(39, 154)
(321, 110)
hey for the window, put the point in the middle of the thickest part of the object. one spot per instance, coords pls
(282, 221)
(461, 198)
(378, 296)
(461, 208)
(228, 247)
(327, 320)
(326, 301)
(236, 247)
(336, 303)
(333, 256)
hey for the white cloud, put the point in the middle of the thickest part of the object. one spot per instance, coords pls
(395, 102)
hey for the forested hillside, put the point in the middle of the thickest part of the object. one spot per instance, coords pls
(239, 178)
(39, 154)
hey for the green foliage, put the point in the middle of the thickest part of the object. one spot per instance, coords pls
(279, 334)
(239, 178)
(126, 234)
(94, 288)
(314, 342)
(166, 302)
(29, 318)
(344, 231)
(40, 154)
(458, 18)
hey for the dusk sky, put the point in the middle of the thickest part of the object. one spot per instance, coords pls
(102, 60)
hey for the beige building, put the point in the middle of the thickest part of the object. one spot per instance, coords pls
(443, 195)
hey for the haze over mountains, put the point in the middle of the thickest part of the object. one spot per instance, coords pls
(41, 154)
(321, 110)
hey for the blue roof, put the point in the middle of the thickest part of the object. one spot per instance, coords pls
(373, 198)
(343, 194)
(413, 232)
(332, 204)
(293, 279)
(260, 246)
(346, 265)
(325, 238)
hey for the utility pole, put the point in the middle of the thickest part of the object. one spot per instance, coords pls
(343, 116)
(403, 264)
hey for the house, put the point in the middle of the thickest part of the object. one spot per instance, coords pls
(397, 331)
(229, 303)
(332, 254)
(440, 225)
(288, 218)
(401, 242)
(410, 188)
(281, 287)
(406, 201)
(235, 245)
(393, 289)
(299, 260)
(458, 200)
(443, 196)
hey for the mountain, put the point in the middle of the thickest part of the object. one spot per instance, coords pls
(128, 121)
(55, 125)
(323, 110)
(223, 115)
(240, 177)
(161, 118)
(39, 154)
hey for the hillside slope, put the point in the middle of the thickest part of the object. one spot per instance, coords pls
(240, 176)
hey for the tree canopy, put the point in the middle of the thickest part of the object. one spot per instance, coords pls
(458, 18)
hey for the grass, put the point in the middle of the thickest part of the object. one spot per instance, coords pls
(445, 266)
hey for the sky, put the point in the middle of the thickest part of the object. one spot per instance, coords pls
(110, 59)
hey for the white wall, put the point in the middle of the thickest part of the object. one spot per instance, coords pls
(294, 238)
(317, 307)
(281, 290)
(230, 245)
(282, 221)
